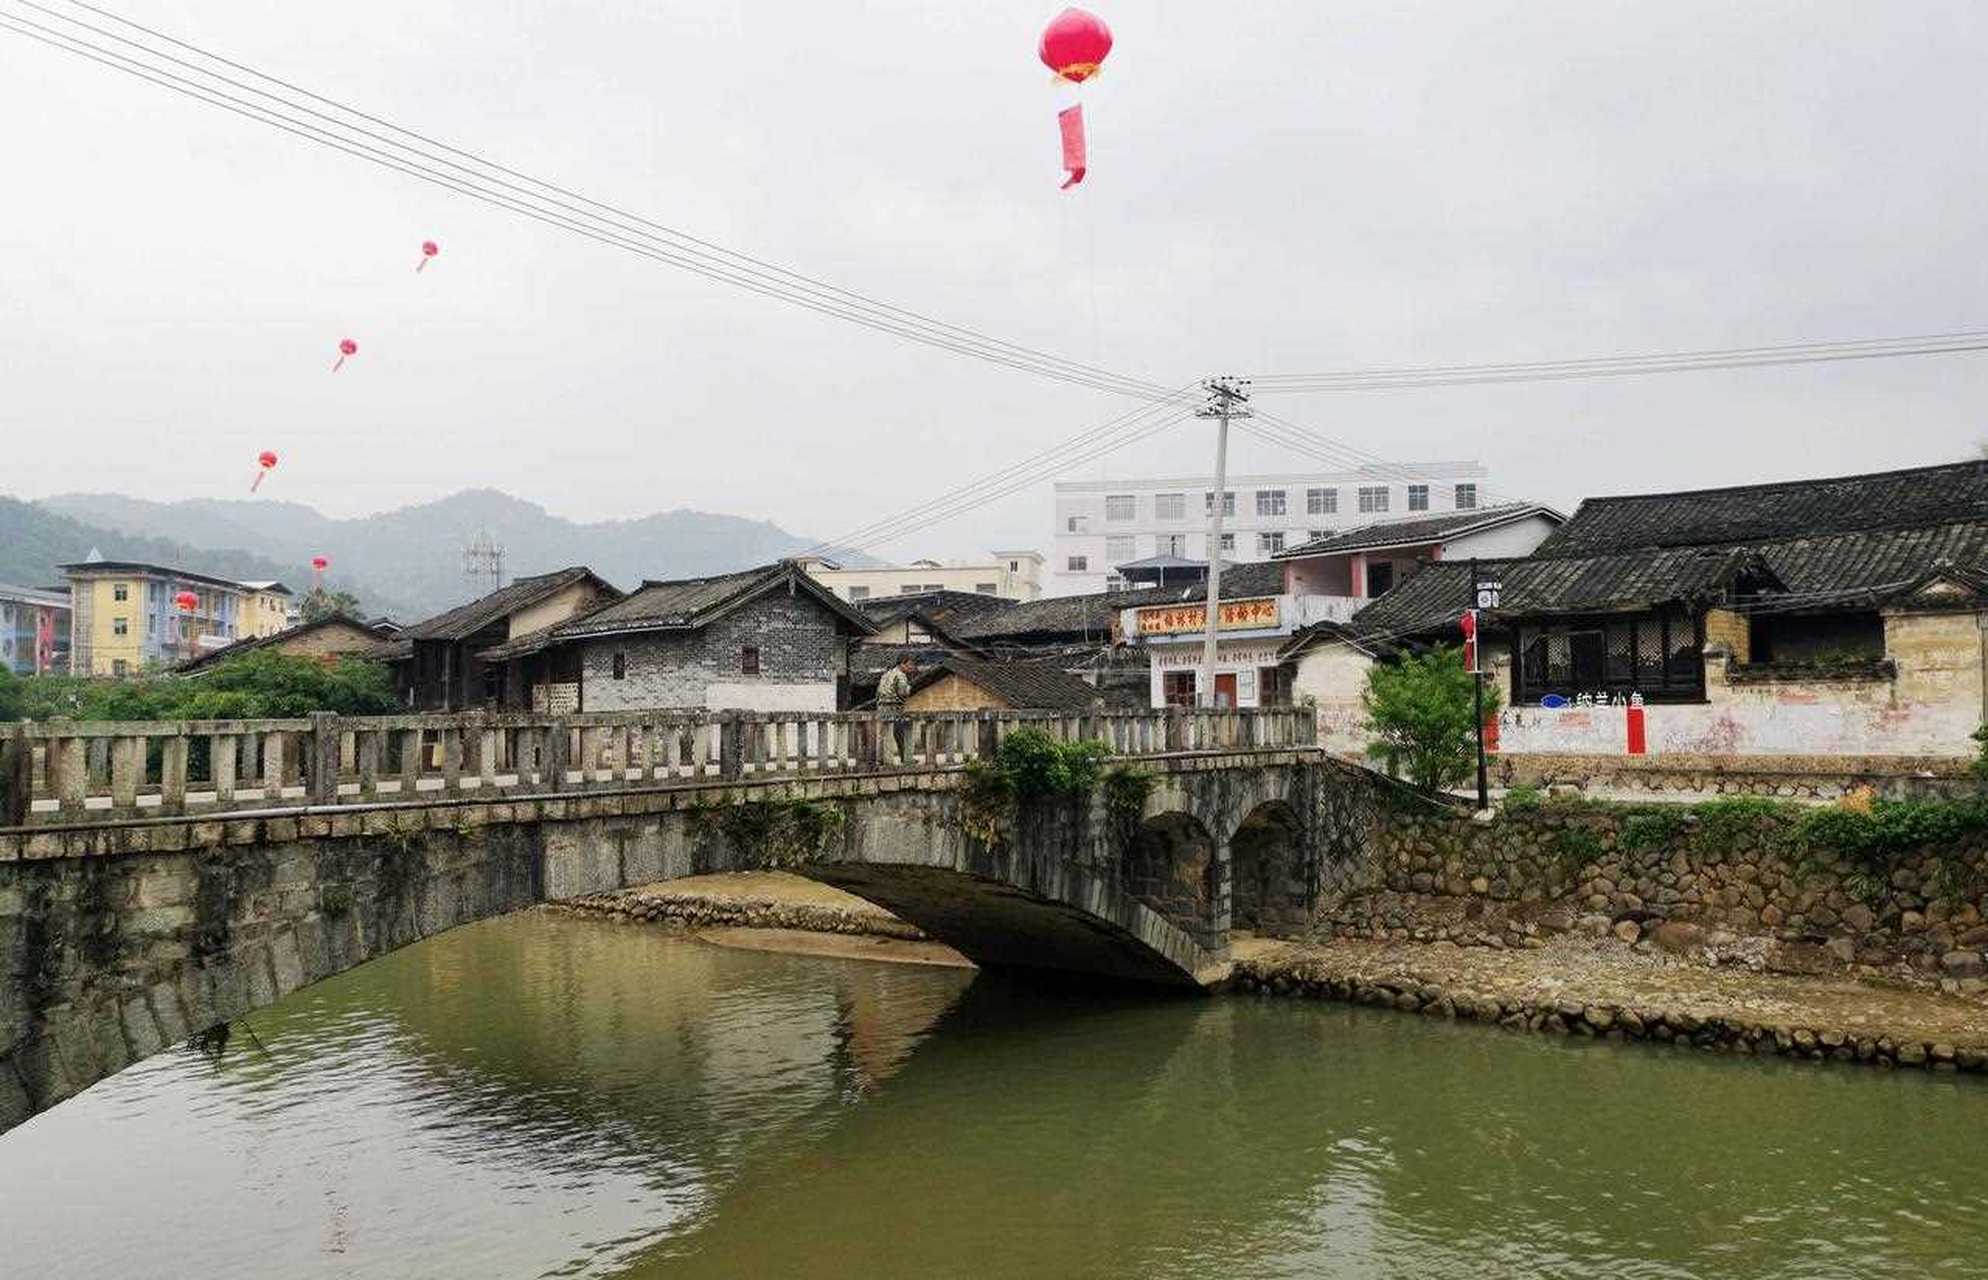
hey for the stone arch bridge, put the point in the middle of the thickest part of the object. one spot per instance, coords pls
(158, 879)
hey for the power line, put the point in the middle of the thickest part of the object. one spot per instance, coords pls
(670, 246)
(1627, 365)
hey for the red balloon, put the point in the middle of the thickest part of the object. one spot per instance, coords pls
(1074, 44)
(320, 563)
(347, 347)
(429, 248)
(267, 458)
(186, 600)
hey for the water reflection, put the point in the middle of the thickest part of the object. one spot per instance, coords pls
(547, 1096)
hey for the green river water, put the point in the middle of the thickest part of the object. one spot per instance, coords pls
(549, 1096)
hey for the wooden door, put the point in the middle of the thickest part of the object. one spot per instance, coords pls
(1225, 689)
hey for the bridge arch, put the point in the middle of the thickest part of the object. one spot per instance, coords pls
(1170, 864)
(1268, 892)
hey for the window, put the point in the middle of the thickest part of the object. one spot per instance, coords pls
(1418, 497)
(1380, 578)
(1171, 544)
(1269, 543)
(1014, 566)
(932, 586)
(859, 593)
(1373, 498)
(1228, 503)
(1321, 502)
(1316, 534)
(120, 626)
(1075, 524)
(1228, 542)
(1466, 497)
(1177, 688)
(1270, 502)
(119, 667)
(1656, 655)
(1078, 564)
(1119, 550)
(749, 660)
(1121, 506)
(120, 592)
(1170, 506)
(987, 588)
(620, 665)
(493, 683)
(151, 624)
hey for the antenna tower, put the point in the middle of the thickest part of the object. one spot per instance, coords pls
(483, 564)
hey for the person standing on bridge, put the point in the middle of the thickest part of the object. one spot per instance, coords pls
(892, 690)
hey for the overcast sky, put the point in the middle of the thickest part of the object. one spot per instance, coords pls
(1275, 188)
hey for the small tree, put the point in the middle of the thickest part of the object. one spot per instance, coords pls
(1422, 717)
(320, 604)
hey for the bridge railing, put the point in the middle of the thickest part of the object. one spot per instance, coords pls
(63, 771)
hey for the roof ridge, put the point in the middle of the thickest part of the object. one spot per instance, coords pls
(1768, 485)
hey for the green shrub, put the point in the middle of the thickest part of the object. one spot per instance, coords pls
(1577, 846)
(1653, 829)
(252, 686)
(1523, 797)
(1037, 764)
(1424, 718)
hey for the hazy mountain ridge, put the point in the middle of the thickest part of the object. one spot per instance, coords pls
(413, 555)
(34, 540)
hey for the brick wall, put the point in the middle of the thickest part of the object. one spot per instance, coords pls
(800, 656)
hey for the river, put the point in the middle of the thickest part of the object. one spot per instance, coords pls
(548, 1096)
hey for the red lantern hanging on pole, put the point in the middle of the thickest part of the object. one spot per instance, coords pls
(1074, 45)
(266, 461)
(187, 601)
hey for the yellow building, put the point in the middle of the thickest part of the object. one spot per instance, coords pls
(125, 616)
(269, 607)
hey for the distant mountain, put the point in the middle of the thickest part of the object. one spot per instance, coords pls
(35, 539)
(415, 554)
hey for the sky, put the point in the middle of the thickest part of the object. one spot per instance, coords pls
(1275, 188)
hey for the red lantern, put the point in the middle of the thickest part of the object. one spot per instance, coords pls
(428, 250)
(346, 347)
(1074, 45)
(187, 601)
(267, 461)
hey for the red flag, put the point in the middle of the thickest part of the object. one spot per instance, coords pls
(1072, 120)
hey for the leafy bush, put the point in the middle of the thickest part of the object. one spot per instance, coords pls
(1036, 764)
(252, 686)
(1523, 797)
(1423, 717)
(1651, 830)
(1890, 828)
(1576, 846)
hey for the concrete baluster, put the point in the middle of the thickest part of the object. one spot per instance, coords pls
(275, 748)
(221, 748)
(17, 778)
(451, 743)
(486, 760)
(367, 747)
(321, 784)
(172, 774)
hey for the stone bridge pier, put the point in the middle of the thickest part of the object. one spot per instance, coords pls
(124, 929)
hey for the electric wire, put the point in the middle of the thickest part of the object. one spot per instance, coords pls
(777, 283)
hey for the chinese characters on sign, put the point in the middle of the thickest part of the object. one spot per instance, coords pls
(1235, 615)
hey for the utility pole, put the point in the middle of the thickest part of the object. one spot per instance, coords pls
(1227, 398)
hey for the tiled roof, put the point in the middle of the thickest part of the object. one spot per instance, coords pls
(945, 608)
(253, 643)
(1414, 531)
(466, 620)
(1921, 497)
(1092, 615)
(692, 602)
(1024, 686)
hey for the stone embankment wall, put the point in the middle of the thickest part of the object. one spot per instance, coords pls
(1728, 884)
(702, 911)
(1733, 1032)
(1680, 776)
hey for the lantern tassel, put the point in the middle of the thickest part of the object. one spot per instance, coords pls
(1071, 119)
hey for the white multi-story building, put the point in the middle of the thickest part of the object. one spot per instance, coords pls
(1101, 524)
(1011, 575)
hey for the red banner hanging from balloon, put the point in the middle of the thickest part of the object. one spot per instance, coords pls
(1072, 121)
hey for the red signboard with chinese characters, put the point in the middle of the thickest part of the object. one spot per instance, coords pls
(1235, 615)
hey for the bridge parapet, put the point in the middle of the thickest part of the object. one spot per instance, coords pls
(62, 773)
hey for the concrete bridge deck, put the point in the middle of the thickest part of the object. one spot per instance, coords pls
(163, 878)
